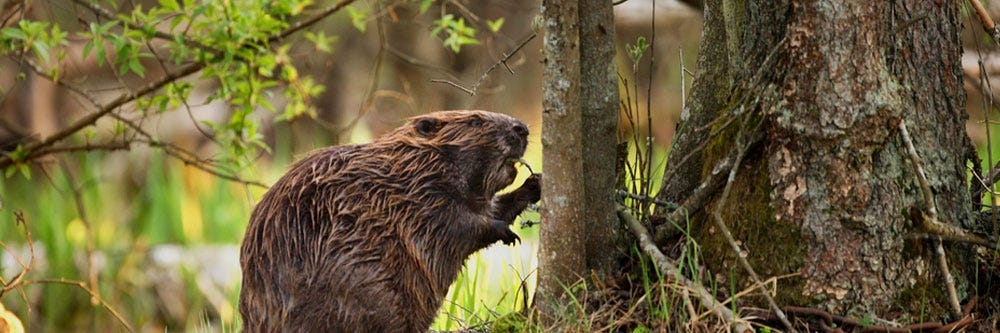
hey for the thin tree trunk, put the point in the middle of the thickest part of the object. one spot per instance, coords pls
(600, 101)
(581, 236)
(561, 255)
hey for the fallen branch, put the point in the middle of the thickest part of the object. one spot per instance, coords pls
(930, 220)
(669, 268)
(697, 199)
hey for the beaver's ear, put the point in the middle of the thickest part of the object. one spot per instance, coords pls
(427, 127)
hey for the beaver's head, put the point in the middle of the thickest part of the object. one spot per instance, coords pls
(482, 147)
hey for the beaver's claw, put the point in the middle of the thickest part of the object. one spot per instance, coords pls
(504, 234)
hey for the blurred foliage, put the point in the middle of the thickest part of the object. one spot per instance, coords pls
(95, 214)
(103, 195)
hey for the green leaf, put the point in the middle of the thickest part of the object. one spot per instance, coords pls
(41, 49)
(425, 5)
(171, 5)
(87, 48)
(136, 67)
(13, 33)
(321, 41)
(635, 51)
(359, 17)
(495, 25)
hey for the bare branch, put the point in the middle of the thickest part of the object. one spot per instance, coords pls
(930, 220)
(17, 280)
(475, 87)
(93, 296)
(189, 158)
(988, 24)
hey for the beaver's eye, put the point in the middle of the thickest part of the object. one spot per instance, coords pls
(476, 122)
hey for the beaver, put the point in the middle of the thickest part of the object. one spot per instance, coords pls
(368, 237)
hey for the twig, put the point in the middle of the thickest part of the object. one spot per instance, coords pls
(669, 268)
(456, 85)
(646, 198)
(741, 150)
(699, 195)
(847, 323)
(988, 24)
(8, 286)
(93, 296)
(930, 220)
(475, 87)
(189, 158)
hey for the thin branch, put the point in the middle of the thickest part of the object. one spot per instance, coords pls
(696, 201)
(25, 268)
(189, 158)
(103, 110)
(669, 269)
(506, 56)
(93, 296)
(931, 219)
(988, 24)
(376, 75)
(648, 199)
(88, 228)
(111, 146)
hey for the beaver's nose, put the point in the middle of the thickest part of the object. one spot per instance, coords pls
(520, 129)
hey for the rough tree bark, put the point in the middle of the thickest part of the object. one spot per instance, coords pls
(561, 254)
(600, 103)
(580, 232)
(829, 192)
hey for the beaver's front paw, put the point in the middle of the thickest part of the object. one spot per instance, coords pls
(531, 190)
(503, 233)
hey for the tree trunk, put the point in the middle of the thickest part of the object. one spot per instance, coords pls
(561, 254)
(600, 101)
(709, 95)
(580, 232)
(830, 192)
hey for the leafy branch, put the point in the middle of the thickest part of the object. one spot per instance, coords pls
(240, 58)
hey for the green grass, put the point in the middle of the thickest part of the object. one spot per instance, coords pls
(170, 204)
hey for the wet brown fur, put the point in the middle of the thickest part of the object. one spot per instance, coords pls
(367, 238)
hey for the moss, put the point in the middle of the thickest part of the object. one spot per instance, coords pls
(775, 248)
(927, 295)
